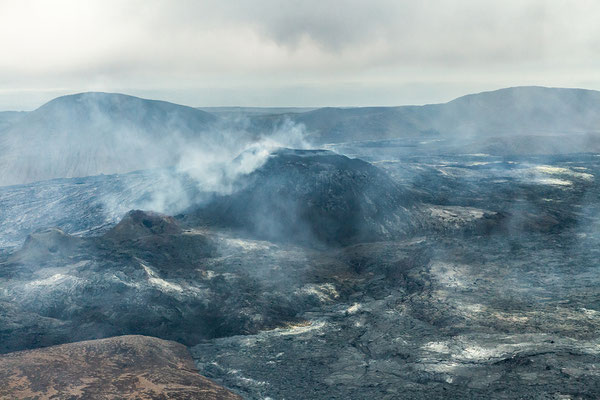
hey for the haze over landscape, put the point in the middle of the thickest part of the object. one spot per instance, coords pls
(304, 200)
(310, 53)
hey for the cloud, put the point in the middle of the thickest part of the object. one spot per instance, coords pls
(214, 47)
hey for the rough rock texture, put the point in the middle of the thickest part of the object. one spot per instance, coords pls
(136, 224)
(494, 295)
(87, 206)
(427, 325)
(122, 367)
(313, 196)
(47, 243)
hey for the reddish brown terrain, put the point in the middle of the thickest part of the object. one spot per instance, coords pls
(124, 367)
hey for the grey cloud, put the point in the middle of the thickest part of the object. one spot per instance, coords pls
(218, 48)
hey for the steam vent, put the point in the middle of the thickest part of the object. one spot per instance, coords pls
(271, 200)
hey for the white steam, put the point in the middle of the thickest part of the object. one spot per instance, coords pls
(206, 167)
(216, 166)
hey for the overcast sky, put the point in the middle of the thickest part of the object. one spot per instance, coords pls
(293, 53)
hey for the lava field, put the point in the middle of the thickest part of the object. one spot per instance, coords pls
(373, 275)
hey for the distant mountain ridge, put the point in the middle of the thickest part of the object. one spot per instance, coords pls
(93, 133)
(505, 112)
(238, 110)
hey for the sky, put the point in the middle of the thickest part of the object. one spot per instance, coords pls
(293, 53)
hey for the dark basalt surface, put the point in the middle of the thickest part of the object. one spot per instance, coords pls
(190, 279)
(488, 288)
(312, 196)
(137, 224)
(420, 324)
(137, 367)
